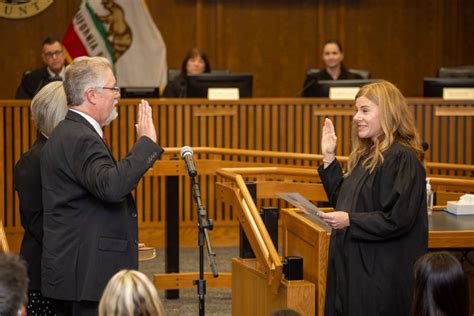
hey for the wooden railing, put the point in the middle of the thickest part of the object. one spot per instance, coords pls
(249, 132)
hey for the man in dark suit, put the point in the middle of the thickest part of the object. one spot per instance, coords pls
(90, 217)
(53, 56)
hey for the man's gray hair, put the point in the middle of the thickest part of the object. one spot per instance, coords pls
(84, 73)
(49, 107)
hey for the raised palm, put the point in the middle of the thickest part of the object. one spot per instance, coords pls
(329, 139)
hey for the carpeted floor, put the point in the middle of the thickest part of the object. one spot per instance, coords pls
(217, 301)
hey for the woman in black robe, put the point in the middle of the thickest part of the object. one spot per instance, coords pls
(380, 225)
(195, 63)
(334, 69)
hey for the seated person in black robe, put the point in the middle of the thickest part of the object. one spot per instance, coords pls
(53, 57)
(334, 69)
(380, 222)
(195, 63)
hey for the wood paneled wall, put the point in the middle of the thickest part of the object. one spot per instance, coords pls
(277, 40)
(277, 125)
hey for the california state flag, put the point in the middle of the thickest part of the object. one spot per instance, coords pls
(123, 31)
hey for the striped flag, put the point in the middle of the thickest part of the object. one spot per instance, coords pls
(123, 31)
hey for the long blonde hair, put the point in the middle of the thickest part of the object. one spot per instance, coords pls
(130, 293)
(397, 125)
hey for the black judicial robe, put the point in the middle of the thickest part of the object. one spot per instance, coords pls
(370, 268)
(176, 88)
(32, 82)
(310, 83)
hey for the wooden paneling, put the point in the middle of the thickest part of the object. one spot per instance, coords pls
(22, 39)
(401, 41)
(280, 125)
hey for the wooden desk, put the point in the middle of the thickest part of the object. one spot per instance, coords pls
(448, 231)
(302, 236)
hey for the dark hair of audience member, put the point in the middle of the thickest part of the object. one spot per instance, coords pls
(13, 284)
(440, 286)
(285, 312)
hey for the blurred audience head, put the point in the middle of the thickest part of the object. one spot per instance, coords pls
(195, 63)
(440, 286)
(332, 54)
(285, 312)
(49, 107)
(52, 53)
(13, 285)
(131, 293)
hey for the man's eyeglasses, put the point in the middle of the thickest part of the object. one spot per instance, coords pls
(114, 88)
(54, 54)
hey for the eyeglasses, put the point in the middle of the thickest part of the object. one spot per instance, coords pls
(114, 88)
(54, 54)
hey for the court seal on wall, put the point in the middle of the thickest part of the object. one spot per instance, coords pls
(21, 9)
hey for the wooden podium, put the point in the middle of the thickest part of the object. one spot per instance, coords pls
(252, 295)
(303, 237)
(258, 285)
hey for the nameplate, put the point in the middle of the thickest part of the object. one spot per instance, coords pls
(458, 93)
(223, 94)
(343, 93)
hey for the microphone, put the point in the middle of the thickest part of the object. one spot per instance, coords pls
(425, 146)
(306, 86)
(187, 155)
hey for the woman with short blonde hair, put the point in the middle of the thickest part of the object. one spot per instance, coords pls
(130, 292)
(48, 108)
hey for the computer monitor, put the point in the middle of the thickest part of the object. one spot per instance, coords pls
(322, 87)
(433, 87)
(139, 92)
(198, 85)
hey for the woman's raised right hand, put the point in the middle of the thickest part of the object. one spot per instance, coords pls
(328, 140)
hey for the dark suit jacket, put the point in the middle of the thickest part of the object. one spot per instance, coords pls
(27, 179)
(32, 82)
(90, 218)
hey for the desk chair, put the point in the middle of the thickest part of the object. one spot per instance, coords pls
(466, 71)
(365, 74)
(173, 73)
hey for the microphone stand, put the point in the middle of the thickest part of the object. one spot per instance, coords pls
(204, 225)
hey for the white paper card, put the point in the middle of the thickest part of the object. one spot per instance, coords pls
(343, 93)
(223, 94)
(299, 201)
(458, 93)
